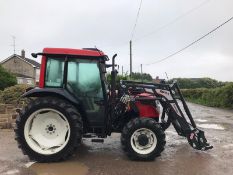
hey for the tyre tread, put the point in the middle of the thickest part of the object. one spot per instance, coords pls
(135, 124)
(73, 115)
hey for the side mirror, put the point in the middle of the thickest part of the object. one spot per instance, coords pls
(34, 55)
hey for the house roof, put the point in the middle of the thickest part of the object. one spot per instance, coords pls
(27, 60)
(36, 64)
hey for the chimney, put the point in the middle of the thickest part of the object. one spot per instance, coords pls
(23, 54)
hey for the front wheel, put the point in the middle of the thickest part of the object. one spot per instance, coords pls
(48, 130)
(143, 139)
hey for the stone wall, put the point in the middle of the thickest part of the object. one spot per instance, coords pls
(7, 116)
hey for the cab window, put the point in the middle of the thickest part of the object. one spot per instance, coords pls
(54, 72)
(83, 78)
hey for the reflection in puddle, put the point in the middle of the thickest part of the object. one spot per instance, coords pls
(60, 168)
(228, 146)
(27, 165)
(12, 172)
(201, 120)
(210, 126)
(171, 132)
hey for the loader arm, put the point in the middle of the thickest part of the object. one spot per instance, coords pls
(168, 95)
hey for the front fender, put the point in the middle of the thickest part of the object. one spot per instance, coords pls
(52, 92)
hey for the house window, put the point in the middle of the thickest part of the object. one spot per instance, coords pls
(19, 80)
(29, 81)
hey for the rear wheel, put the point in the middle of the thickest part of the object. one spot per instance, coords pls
(143, 139)
(48, 130)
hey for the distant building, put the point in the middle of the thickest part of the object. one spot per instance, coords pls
(27, 71)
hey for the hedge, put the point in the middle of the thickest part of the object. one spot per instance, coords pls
(216, 97)
(11, 94)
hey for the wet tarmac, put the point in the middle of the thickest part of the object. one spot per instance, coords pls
(108, 159)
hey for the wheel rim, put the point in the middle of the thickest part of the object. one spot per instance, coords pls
(47, 131)
(144, 148)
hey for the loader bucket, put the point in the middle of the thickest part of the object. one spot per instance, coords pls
(198, 141)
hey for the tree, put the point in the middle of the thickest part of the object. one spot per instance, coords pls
(138, 76)
(6, 78)
(118, 78)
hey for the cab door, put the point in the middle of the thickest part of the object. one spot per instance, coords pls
(83, 80)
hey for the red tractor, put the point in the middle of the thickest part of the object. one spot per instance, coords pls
(73, 101)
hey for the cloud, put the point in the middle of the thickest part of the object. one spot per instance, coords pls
(107, 24)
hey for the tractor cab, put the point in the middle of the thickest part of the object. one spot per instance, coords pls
(79, 77)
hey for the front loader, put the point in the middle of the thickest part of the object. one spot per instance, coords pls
(74, 100)
(168, 96)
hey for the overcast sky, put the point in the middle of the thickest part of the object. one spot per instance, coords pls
(164, 26)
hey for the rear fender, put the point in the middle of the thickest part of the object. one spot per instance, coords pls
(51, 92)
(58, 93)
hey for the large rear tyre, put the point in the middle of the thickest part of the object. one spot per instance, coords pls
(48, 130)
(143, 139)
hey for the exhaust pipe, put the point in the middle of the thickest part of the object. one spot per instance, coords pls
(113, 80)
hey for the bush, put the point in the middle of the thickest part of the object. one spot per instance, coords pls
(138, 77)
(193, 83)
(217, 97)
(135, 77)
(11, 94)
(118, 78)
(7, 79)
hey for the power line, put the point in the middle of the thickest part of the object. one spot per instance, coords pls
(136, 21)
(192, 43)
(159, 28)
(173, 21)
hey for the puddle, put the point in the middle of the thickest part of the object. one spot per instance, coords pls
(27, 165)
(201, 120)
(228, 146)
(171, 132)
(11, 172)
(229, 116)
(60, 168)
(210, 126)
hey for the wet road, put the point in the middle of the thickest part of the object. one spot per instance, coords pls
(108, 158)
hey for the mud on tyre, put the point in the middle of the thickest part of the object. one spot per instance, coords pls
(48, 130)
(143, 139)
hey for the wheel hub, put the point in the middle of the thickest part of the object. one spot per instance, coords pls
(47, 131)
(50, 129)
(143, 140)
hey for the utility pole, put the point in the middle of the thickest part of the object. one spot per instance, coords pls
(122, 70)
(166, 75)
(141, 73)
(130, 54)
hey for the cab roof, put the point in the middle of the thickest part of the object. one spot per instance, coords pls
(79, 52)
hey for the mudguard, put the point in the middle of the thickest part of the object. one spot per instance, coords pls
(52, 92)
